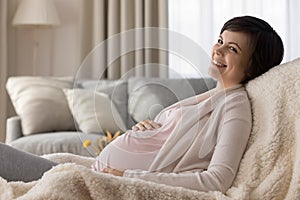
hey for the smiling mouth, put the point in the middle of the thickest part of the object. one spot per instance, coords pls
(219, 64)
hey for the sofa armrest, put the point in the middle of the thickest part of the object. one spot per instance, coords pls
(13, 129)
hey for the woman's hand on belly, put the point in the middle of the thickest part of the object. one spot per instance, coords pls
(146, 125)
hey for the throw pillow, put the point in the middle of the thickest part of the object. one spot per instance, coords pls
(41, 104)
(115, 89)
(93, 111)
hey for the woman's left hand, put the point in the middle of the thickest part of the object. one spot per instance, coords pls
(113, 171)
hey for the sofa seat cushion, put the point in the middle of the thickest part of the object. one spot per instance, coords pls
(56, 142)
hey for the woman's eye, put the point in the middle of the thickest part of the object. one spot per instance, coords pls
(233, 49)
(220, 41)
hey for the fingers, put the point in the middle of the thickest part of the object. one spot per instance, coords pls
(135, 128)
(141, 126)
(156, 125)
(146, 125)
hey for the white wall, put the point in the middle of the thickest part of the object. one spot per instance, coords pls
(58, 49)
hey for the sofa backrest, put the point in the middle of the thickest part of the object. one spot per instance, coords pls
(148, 96)
(142, 98)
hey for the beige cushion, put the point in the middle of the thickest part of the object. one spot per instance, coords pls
(41, 103)
(93, 111)
(115, 89)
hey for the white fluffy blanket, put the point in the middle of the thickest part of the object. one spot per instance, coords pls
(269, 169)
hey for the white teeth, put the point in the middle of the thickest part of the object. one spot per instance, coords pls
(219, 64)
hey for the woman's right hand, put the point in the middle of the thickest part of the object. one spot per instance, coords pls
(146, 125)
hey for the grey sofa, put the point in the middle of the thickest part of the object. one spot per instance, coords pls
(135, 99)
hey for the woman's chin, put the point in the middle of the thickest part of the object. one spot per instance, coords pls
(214, 73)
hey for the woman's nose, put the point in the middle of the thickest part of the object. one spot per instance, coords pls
(219, 51)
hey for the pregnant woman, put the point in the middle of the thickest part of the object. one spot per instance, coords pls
(198, 143)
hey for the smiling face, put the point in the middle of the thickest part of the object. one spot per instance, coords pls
(230, 57)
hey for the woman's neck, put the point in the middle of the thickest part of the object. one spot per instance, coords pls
(222, 86)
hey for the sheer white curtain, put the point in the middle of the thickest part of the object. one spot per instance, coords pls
(201, 21)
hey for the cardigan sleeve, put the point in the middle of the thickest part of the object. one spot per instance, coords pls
(231, 143)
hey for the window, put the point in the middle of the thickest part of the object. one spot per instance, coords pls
(200, 22)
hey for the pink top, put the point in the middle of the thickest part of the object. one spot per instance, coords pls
(137, 149)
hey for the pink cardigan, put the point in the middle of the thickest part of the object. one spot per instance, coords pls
(204, 150)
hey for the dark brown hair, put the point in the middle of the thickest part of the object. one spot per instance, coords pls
(266, 45)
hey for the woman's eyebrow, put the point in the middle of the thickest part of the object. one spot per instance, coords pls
(235, 44)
